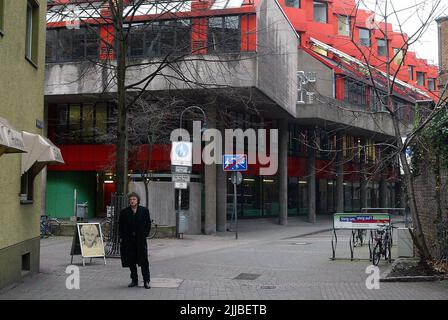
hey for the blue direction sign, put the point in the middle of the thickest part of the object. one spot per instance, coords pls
(235, 162)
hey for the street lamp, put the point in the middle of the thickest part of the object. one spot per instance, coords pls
(204, 126)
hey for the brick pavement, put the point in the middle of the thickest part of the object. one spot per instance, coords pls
(292, 263)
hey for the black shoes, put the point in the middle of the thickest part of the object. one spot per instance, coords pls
(146, 284)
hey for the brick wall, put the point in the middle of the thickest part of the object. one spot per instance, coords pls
(425, 191)
(443, 51)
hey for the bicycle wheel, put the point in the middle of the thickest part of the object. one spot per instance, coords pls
(388, 250)
(376, 255)
(106, 224)
(153, 231)
(54, 227)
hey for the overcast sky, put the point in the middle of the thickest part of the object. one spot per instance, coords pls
(410, 13)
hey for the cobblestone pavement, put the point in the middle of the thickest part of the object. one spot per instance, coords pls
(288, 262)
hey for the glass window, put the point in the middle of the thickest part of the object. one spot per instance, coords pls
(398, 56)
(78, 40)
(72, 44)
(224, 34)
(348, 197)
(411, 72)
(320, 11)
(431, 84)
(382, 47)
(136, 41)
(92, 43)
(152, 40)
(29, 30)
(271, 205)
(88, 117)
(364, 37)
(344, 26)
(355, 92)
(160, 38)
(421, 78)
(100, 119)
(292, 3)
(2, 13)
(51, 46)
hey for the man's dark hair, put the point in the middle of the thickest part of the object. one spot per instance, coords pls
(133, 194)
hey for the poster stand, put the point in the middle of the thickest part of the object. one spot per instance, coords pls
(76, 248)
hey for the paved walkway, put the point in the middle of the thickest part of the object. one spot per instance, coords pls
(284, 262)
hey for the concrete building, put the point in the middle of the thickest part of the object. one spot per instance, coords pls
(22, 56)
(264, 67)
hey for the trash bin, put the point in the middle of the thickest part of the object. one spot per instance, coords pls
(183, 222)
(81, 211)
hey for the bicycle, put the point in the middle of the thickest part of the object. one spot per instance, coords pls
(106, 228)
(153, 231)
(383, 244)
(358, 237)
(49, 226)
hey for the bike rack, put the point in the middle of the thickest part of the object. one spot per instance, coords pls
(347, 225)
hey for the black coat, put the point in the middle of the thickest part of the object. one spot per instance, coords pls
(133, 247)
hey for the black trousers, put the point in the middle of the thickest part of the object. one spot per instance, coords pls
(145, 272)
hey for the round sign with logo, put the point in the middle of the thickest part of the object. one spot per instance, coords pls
(181, 154)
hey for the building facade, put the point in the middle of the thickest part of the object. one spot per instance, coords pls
(22, 56)
(252, 64)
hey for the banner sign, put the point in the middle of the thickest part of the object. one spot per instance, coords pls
(360, 220)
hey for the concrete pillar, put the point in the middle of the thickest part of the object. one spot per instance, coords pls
(383, 193)
(283, 172)
(339, 174)
(221, 190)
(363, 174)
(210, 184)
(311, 173)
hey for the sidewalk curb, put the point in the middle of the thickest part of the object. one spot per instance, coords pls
(385, 276)
(308, 234)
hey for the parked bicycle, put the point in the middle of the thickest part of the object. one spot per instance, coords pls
(49, 226)
(382, 244)
(153, 231)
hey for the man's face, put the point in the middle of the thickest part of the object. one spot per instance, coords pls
(133, 201)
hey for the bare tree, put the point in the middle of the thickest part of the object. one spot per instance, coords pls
(383, 78)
(128, 80)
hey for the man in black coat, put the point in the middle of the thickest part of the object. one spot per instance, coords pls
(134, 226)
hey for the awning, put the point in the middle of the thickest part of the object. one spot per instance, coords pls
(11, 140)
(40, 152)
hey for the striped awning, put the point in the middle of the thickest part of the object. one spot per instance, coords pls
(11, 140)
(40, 152)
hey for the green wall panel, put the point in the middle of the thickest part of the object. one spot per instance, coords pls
(60, 190)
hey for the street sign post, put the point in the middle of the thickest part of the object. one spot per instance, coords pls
(181, 163)
(235, 163)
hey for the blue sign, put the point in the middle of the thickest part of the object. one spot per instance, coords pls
(235, 162)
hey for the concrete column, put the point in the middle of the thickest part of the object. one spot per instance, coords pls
(383, 193)
(221, 190)
(210, 184)
(363, 174)
(339, 174)
(311, 173)
(283, 172)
